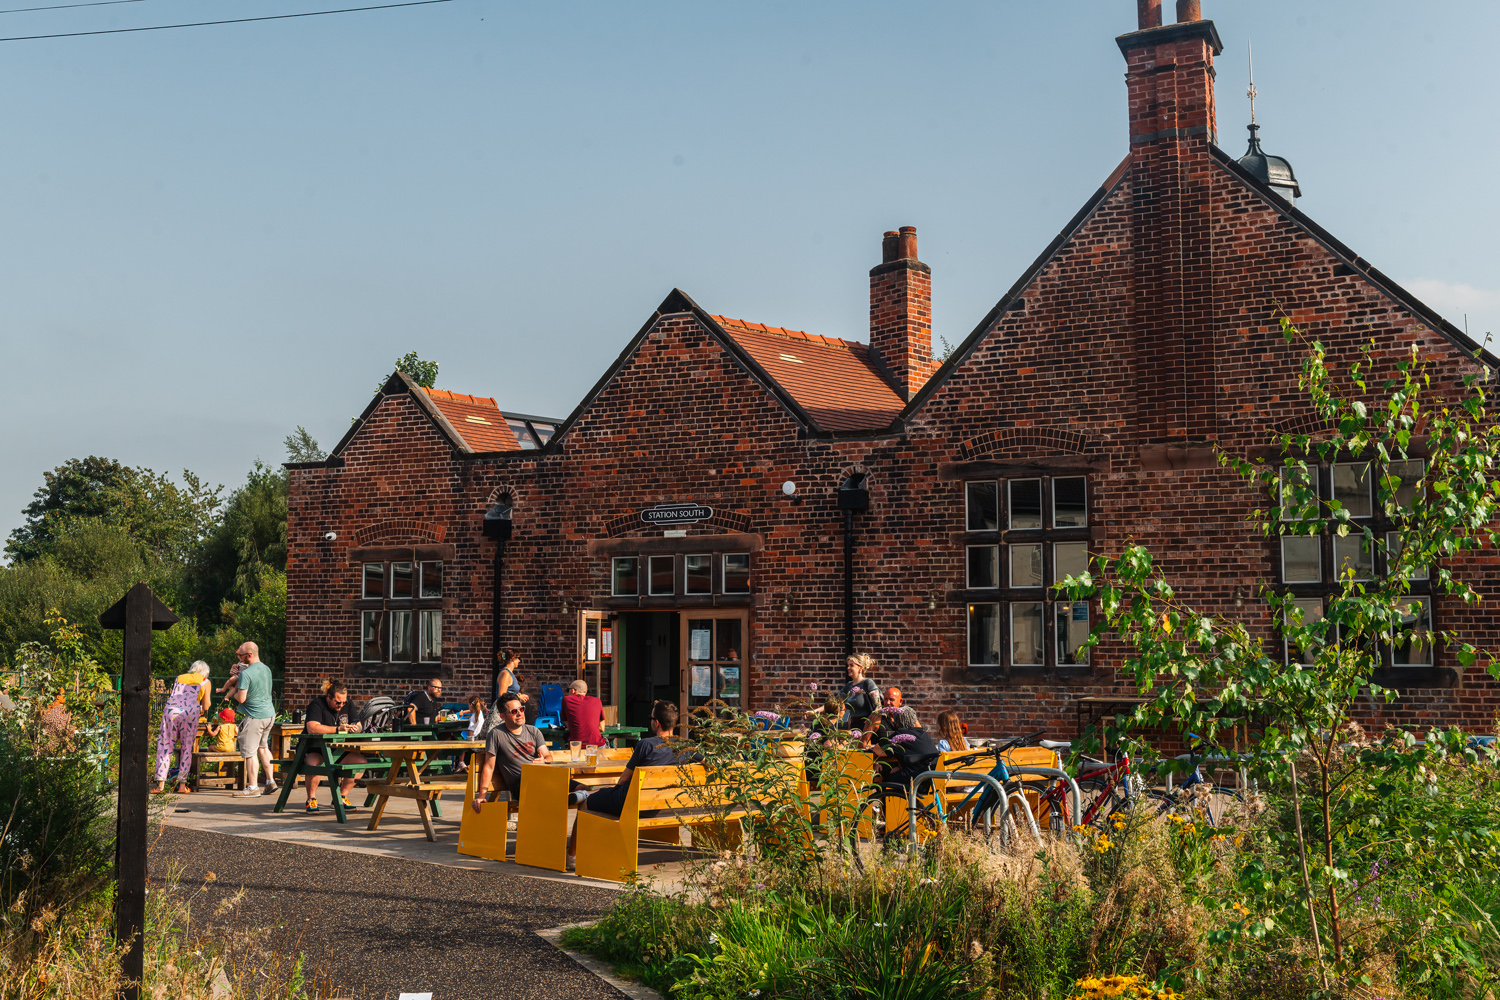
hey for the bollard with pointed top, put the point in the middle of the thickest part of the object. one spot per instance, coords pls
(139, 612)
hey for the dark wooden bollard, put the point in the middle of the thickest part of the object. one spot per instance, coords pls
(138, 613)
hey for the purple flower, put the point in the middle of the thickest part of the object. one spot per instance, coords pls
(813, 686)
(772, 716)
(890, 710)
(759, 886)
(855, 733)
(815, 737)
(903, 738)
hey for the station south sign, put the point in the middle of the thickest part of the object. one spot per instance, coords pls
(673, 514)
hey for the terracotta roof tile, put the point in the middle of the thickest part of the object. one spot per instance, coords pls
(833, 380)
(477, 418)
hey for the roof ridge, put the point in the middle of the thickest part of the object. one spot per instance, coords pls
(778, 331)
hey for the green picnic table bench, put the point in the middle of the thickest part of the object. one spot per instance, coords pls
(335, 770)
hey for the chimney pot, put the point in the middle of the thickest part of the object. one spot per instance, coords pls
(889, 248)
(1188, 10)
(1148, 14)
(908, 243)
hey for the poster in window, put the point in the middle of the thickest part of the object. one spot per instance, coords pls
(700, 643)
(593, 653)
(729, 682)
(701, 681)
(608, 644)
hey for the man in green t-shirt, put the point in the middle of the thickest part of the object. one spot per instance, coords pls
(254, 693)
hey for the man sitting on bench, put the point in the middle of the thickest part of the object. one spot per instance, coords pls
(653, 751)
(330, 713)
(510, 745)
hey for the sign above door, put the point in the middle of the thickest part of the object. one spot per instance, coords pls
(669, 514)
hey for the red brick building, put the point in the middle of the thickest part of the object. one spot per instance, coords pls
(681, 533)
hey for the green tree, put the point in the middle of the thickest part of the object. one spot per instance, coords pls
(424, 373)
(1203, 669)
(169, 518)
(302, 447)
(249, 539)
(77, 488)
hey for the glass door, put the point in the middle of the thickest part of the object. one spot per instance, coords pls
(596, 656)
(714, 668)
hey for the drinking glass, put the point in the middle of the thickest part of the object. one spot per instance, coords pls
(575, 750)
(591, 756)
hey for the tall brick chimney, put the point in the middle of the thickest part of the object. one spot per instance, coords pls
(1170, 79)
(901, 312)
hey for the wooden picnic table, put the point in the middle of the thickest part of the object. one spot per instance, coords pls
(333, 768)
(615, 733)
(413, 758)
(542, 813)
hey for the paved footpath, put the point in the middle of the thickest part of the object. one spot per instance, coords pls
(386, 925)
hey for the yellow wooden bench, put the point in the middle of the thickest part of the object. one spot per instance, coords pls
(608, 847)
(485, 834)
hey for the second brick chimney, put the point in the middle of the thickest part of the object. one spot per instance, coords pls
(901, 313)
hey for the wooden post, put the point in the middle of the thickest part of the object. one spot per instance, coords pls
(138, 613)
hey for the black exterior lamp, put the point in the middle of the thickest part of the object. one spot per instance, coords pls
(853, 494)
(497, 521)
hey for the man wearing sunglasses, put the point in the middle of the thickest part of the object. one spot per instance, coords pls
(510, 745)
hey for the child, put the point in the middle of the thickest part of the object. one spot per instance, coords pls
(230, 685)
(225, 733)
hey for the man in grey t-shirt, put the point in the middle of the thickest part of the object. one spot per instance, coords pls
(510, 745)
(253, 692)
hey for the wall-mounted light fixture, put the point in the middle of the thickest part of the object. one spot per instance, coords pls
(786, 603)
(789, 487)
(331, 536)
(931, 602)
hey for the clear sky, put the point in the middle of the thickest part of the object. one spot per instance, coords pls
(209, 236)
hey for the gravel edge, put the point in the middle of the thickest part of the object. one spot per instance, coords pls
(636, 991)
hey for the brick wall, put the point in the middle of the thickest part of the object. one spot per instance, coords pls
(1149, 337)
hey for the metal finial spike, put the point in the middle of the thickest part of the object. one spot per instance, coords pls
(1250, 52)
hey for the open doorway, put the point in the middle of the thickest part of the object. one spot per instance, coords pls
(651, 644)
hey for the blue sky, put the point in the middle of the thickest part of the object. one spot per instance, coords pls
(213, 235)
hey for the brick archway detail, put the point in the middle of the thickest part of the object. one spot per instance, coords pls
(729, 520)
(1308, 423)
(401, 529)
(1026, 440)
(500, 491)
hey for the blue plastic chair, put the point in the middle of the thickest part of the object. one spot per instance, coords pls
(550, 714)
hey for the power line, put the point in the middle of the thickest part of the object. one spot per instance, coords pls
(236, 20)
(65, 6)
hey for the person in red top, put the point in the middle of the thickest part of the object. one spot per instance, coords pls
(583, 715)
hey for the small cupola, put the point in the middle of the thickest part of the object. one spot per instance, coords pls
(1272, 170)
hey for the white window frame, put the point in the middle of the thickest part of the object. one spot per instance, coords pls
(1086, 511)
(424, 616)
(379, 627)
(614, 576)
(1010, 507)
(422, 579)
(995, 484)
(994, 551)
(724, 574)
(651, 590)
(687, 576)
(999, 634)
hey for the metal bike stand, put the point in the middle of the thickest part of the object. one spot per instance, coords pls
(1000, 790)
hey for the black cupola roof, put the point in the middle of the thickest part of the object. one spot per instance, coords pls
(1273, 170)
